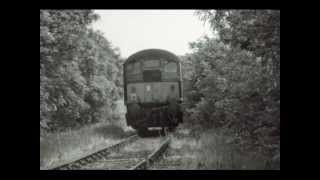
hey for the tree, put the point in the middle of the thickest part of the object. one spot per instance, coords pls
(235, 83)
(257, 31)
(78, 70)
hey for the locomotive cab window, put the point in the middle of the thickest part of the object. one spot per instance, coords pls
(151, 63)
(129, 68)
(171, 67)
(136, 68)
(134, 72)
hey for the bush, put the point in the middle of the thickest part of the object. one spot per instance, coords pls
(111, 131)
(234, 83)
(220, 150)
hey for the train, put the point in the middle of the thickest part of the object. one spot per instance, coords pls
(153, 90)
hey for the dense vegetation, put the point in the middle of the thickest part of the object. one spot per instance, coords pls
(233, 81)
(80, 71)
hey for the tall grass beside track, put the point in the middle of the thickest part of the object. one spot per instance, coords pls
(63, 147)
(218, 150)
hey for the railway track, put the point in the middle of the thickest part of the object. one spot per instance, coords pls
(132, 153)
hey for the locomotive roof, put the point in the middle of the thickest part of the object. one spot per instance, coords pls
(152, 52)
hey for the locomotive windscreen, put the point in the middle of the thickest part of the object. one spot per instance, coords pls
(151, 63)
(151, 75)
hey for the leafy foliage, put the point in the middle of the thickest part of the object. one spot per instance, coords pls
(233, 81)
(257, 31)
(80, 72)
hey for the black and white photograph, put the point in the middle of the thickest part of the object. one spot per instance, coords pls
(159, 89)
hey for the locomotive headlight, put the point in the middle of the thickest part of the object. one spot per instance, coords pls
(133, 95)
(180, 100)
(148, 88)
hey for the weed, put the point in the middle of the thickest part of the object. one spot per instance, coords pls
(63, 147)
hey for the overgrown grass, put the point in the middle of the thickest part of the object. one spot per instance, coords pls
(63, 147)
(219, 151)
(186, 147)
(113, 131)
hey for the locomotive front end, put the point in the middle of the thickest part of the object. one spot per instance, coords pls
(153, 90)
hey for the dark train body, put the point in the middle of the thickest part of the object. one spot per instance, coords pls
(153, 90)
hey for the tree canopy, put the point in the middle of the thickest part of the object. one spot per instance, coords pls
(80, 71)
(233, 80)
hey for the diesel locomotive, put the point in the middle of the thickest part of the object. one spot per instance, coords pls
(153, 90)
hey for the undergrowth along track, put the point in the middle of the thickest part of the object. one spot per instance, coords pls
(133, 153)
(97, 155)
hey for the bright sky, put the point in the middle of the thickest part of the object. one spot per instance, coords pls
(135, 30)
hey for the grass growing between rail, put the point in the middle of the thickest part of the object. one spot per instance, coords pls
(63, 147)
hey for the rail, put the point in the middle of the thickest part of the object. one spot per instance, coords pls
(96, 156)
